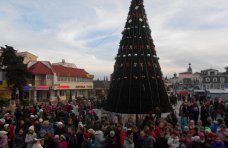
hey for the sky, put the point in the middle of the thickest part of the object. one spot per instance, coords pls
(88, 32)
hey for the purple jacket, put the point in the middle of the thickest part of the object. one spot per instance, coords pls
(217, 145)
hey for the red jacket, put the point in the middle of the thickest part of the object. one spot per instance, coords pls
(122, 137)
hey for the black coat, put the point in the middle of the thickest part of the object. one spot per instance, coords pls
(161, 143)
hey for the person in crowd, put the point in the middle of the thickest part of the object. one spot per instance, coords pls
(111, 140)
(122, 136)
(80, 132)
(148, 141)
(99, 137)
(37, 143)
(217, 143)
(62, 142)
(86, 143)
(29, 138)
(128, 141)
(214, 126)
(140, 139)
(71, 137)
(92, 137)
(50, 142)
(196, 142)
(81, 127)
(161, 141)
(173, 141)
(3, 139)
(60, 130)
(19, 140)
(46, 128)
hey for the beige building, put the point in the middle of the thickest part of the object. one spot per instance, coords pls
(27, 56)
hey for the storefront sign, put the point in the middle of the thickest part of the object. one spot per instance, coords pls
(80, 86)
(84, 87)
(64, 86)
(42, 87)
(27, 88)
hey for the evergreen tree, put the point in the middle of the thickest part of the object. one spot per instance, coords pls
(16, 70)
(137, 85)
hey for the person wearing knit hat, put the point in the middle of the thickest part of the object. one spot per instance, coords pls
(196, 142)
(2, 121)
(41, 120)
(32, 116)
(6, 126)
(29, 138)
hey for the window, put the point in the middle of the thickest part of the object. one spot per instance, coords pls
(212, 73)
(207, 79)
(49, 77)
(222, 79)
(62, 92)
(214, 79)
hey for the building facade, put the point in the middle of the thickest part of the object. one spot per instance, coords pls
(213, 79)
(27, 56)
(186, 80)
(53, 82)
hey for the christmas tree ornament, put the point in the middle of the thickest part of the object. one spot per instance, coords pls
(136, 7)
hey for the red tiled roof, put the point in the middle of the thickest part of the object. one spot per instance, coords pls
(40, 68)
(69, 72)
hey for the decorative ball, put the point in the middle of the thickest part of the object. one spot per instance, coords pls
(140, 19)
(136, 7)
(130, 21)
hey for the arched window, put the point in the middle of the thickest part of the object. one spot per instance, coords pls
(207, 79)
(215, 79)
(222, 79)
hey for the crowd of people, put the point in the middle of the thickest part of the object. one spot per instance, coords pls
(77, 125)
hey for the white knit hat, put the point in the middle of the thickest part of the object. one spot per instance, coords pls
(2, 121)
(59, 123)
(6, 125)
(31, 128)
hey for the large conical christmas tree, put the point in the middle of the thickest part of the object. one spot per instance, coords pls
(137, 85)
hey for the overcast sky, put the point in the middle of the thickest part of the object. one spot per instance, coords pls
(87, 32)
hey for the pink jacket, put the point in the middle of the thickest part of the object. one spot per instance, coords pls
(63, 144)
(3, 141)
